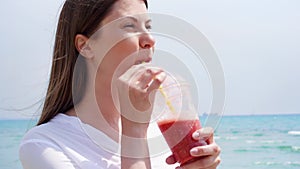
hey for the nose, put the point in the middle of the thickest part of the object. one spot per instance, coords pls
(146, 40)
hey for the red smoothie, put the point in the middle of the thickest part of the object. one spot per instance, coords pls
(178, 135)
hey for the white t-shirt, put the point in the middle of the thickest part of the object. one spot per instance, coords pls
(64, 143)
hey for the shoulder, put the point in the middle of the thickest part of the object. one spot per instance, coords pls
(42, 145)
(36, 140)
(51, 132)
(40, 152)
(37, 134)
(60, 124)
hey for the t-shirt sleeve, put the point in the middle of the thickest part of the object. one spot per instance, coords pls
(37, 154)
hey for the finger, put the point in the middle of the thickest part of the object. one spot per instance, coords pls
(130, 73)
(152, 70)
(201, 151)
(215, 163)
(144, 79)
(171, 160)
(205, 134)
(214, 166)
(148, 76)
(157, 81)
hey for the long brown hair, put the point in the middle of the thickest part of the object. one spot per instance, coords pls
(76, 17)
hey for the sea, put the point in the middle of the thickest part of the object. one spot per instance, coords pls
(247, 142)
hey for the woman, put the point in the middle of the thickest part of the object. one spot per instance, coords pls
(100, 93)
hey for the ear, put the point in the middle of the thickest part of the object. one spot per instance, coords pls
(81, 44)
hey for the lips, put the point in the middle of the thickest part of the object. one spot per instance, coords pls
(142, 61)
(144, 56)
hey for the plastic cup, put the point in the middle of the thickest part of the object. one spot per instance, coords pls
(178, 121)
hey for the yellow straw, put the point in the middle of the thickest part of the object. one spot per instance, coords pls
(168, 102)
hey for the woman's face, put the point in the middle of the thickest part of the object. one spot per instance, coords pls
(123, 39)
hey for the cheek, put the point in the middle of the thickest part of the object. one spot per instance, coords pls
(123, 55)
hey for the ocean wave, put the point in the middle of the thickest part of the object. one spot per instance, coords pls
(258, 134)
(231, 138)
(295, 163)
(295, 133)
(251, 141)
(272, 163)
(271, 141)
(217, 137)
(235, 131)
(289, 148)
(267, 163)
(295, 148)
(264, 141)
(244, 150)
(286, 148)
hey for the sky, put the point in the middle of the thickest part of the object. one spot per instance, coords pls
(257, 42)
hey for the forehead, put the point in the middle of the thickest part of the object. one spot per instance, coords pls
(124, 8)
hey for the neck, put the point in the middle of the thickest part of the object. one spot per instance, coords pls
(97, 109)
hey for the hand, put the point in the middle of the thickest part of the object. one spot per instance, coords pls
(136, 96)
(207, 156)
(135, 89)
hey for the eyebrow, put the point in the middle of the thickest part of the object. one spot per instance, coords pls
(135, 19)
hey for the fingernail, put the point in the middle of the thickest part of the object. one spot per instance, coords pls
(161, 76)
(194, 151)
(196, 135)
(149, 71)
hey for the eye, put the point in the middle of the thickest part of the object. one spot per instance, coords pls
(129, 25)
(148, 27)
